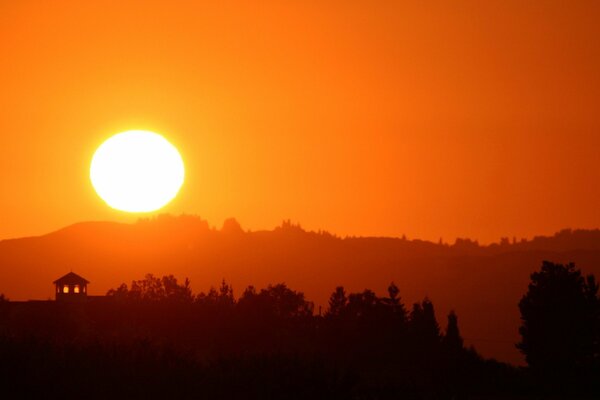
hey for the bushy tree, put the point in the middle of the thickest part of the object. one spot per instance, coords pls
(287, 302)
(560, 315)
(152, 288)
(222, 298)
(423, 323)
(277, 301)
(362, 304)
(337, 302)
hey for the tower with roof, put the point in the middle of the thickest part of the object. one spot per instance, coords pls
(71, 287)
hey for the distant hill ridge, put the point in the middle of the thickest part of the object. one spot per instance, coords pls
(563, 240)
(482, 283)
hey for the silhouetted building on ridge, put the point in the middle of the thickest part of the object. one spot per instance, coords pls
(71, 287)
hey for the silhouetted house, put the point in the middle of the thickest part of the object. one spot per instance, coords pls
(71, 287)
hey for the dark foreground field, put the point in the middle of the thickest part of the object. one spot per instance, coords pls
(156, 339)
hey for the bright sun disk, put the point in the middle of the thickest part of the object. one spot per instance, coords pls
(137, 171)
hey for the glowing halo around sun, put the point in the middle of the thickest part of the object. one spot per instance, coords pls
(137, 171)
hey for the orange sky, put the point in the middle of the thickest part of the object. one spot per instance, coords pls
(471, 118)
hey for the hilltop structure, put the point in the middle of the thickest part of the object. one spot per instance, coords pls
(71, 287)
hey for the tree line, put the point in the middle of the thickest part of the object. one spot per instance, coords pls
(271, 343)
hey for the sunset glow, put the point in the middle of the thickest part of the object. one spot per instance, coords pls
(456, 119)
(387, 199)
(137, 171)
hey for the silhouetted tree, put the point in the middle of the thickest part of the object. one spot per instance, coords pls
(152, 288)
(4, 305)
(226, 293)
(395, 301)
(277, 301)
(560, 315)
(362, 304)
(249, 292)
(222, 297)
(452, 339)
(176, 292)
(337, 302)
(121, 292)
(424, 324)
(287, 303)
(393, 292)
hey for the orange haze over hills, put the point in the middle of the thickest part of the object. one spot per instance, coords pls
(452, 119)
(483, 284)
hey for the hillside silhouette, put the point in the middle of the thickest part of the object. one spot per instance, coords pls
(483, 284)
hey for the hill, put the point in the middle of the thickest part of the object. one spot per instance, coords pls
(483, 284)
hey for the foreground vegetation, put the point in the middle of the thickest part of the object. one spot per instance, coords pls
(155, 338)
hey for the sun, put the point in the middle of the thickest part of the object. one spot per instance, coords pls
(137, 171)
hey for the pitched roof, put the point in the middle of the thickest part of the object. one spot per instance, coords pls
(71, 279)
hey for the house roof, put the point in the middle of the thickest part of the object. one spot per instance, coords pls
(71, 279)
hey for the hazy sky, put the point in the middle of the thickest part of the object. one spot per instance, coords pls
(473, 119)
